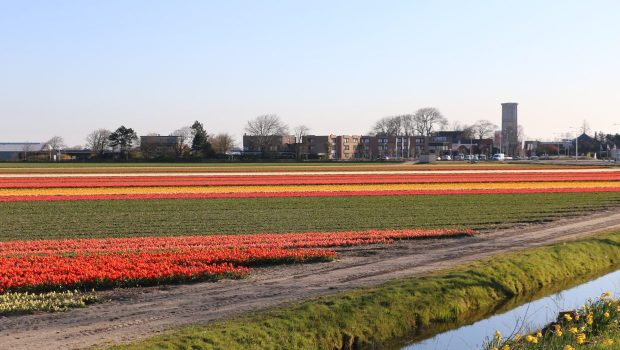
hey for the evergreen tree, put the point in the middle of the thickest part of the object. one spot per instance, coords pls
(124, 138)
(200, 143)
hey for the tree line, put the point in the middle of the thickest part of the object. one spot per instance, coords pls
(426, 121)
(192, 142)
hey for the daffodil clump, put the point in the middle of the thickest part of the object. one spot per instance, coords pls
(49, 302)
(594, 326)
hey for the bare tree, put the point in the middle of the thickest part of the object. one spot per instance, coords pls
(468, 132)
(388, 126)
(407, 124)
(185, 134)
(266, 129)
(300, 132)
(184, 141)
(520, 138)
(97, 141)
(456, 126)
(483, 128)
(56, 143)
(585, 127)
(428, 119)
(222, 143)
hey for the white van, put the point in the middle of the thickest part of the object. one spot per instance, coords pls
(498, 156)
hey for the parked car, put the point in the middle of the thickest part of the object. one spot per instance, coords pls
(459, 157)
(446, 157)
(482, 157)
(471, 157)
(534, 158)
(498, 156)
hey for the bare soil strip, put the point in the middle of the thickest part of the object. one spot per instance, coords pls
(135, 313)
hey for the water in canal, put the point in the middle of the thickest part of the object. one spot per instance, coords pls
(535, 314)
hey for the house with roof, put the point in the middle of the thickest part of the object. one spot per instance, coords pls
(15, 151)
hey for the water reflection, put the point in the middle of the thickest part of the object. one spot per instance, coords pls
(535, 314)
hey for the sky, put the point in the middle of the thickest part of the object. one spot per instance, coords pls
(70, 67)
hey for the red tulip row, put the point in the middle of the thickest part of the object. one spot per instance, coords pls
(102, 263)
(262, 240)
(141, 181)
(299, 194)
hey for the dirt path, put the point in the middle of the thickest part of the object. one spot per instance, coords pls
(136, 313)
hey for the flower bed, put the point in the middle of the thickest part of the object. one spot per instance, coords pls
(103, 263)
(593, 326)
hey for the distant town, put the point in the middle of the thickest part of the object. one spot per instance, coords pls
(425, 136)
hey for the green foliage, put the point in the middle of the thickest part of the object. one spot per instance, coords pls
(200, 142)
(119, 218)
(371, 316)
(123, 137)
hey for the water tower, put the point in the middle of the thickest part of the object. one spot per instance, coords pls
(510, 127)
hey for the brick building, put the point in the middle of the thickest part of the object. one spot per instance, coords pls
(273, 146)
(367, 147)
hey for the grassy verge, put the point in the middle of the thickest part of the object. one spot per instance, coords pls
(119, 218)
(375, 315)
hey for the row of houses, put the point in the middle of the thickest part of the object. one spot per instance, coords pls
(567, 147)
(151, 147)
(334, 147)
(38, 151)
(15, 151)
(351, 147)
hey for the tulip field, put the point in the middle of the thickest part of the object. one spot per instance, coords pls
(65, 228)
(86, 263)
(156, 185)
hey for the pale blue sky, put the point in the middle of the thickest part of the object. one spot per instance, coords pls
(68, 67)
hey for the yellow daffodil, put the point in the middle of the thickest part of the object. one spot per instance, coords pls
(607, 342)
(581, 338)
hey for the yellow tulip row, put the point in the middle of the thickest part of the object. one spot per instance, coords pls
(309, 188)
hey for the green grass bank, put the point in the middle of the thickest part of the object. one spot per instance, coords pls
(359, 318)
